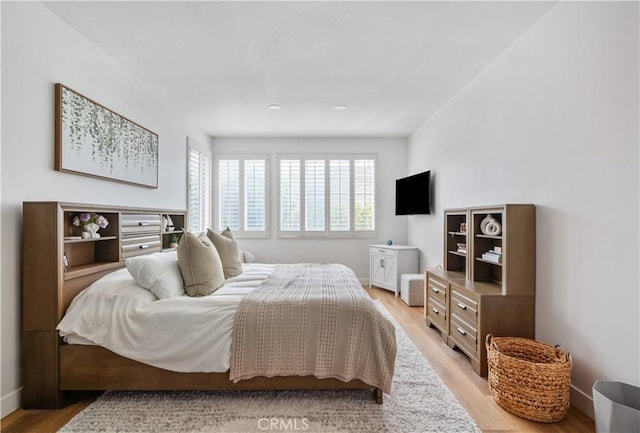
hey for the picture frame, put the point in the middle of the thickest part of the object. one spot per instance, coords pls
(92, 140)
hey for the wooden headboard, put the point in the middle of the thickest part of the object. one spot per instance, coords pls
(49, 286)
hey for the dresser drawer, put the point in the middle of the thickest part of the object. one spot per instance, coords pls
(464, 307)
(143, 244)
(388, 252)
(140, 223)
(437, 313)
(437, 289)
(464, 334)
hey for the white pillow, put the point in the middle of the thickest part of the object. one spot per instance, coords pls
(247, 256)
(158, 272)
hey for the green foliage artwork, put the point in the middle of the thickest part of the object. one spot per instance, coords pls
(95, 141)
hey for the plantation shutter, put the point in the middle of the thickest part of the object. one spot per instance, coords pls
(326, 195)
(194, 190)
(290, 189)
(314, 195)
(339, 195)
(229, 194)
(255, 195)
(198, 190)
(205, 192)
(242, 194)
(364, 194)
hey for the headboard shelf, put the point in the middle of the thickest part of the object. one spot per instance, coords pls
(104, 238)
(56, 269)
(92, 268)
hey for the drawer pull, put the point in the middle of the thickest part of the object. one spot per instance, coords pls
(382, 251)
(462, 306)
(435, 290)
(462, 331)
(435, 311)
(143, 223)
(144, 246)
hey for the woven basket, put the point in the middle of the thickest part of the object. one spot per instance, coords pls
(528, 378)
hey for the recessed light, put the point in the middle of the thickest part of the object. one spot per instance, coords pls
(340, 107)
(275, 107)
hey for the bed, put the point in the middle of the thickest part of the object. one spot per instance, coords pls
(119, 336)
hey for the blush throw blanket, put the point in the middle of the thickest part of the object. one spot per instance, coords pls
(313, 319)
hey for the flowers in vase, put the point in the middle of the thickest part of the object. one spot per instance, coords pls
(91, 222)
(86, 218)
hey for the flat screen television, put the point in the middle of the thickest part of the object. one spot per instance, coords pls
(413, 194)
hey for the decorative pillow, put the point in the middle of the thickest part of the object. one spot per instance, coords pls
(247, 256)
(200, 265)
(158, 272)
(229, 253)
(227, 233)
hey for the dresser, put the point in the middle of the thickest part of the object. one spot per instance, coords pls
(487, 284)
(387, 263)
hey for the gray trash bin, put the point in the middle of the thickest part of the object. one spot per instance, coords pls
(616, 406)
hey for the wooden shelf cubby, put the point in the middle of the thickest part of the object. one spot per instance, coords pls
(455, 221)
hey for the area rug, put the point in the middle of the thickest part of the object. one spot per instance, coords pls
(419, 402)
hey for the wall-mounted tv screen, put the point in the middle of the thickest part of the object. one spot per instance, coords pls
(412, 194)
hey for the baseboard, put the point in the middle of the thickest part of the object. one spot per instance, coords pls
(10, 402)
(582, 401)
(364, 281)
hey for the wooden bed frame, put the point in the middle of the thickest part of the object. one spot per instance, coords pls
(53, 369)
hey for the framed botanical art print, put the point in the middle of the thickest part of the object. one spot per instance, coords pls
(92, 140)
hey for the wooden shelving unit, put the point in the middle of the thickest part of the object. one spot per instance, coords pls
(455, 221)
(472, 296)
(45, 227)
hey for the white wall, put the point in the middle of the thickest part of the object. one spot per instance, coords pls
(554, 121)
(391, 164)
(38, 50)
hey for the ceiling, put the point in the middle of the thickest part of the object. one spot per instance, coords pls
(222, 63)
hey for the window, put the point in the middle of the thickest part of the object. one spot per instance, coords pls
(241, 201)
(327, 195)
(199, 189)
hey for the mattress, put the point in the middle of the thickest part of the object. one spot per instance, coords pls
(184, 334)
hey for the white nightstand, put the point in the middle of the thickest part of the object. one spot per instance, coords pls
(388, 262)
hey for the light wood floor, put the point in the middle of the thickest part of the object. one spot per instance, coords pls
(470, 389)
(452, 366)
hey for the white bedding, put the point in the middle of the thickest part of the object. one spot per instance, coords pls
(118, 314)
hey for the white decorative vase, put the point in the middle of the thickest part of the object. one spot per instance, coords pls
(91, 231)
(490, 226)
(170, 227)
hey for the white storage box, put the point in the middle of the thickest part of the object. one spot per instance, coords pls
(412, 289)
